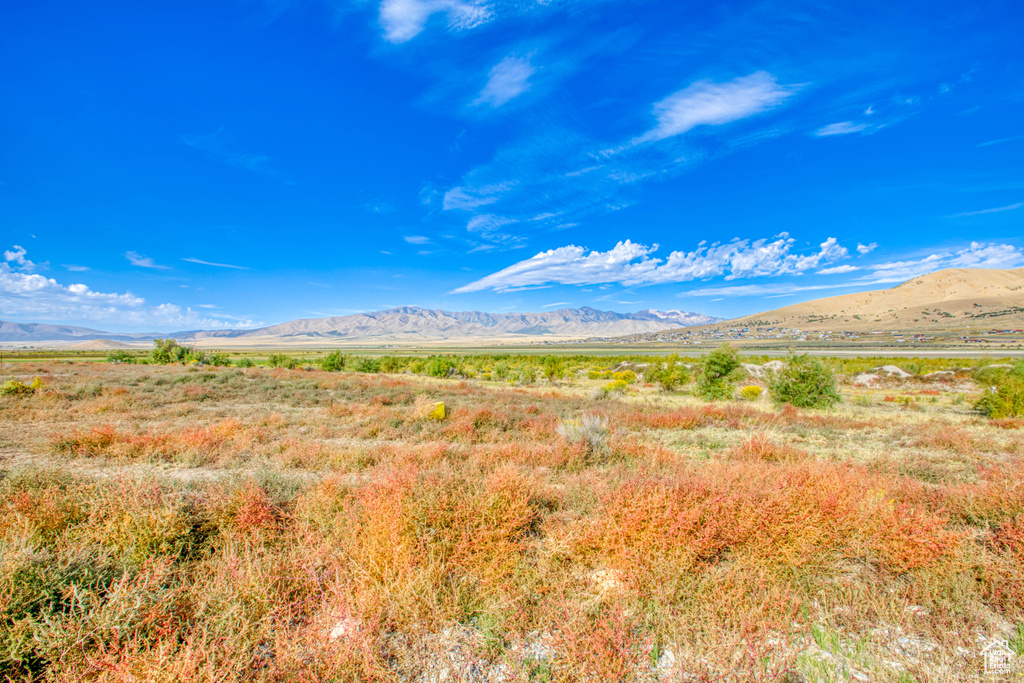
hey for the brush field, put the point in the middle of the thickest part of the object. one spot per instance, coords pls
(169, 523)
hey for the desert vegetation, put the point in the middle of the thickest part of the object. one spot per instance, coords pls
(324, 520)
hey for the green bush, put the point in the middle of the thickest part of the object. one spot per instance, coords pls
(280, 360)
(670, 377)
(440, 366)
(717, 378)
(366, 365)
(1004, 396)
(120, 356)
(333, 362)
(805, 383)
(169, 351)
(244, 363)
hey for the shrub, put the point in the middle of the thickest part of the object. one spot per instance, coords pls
(440, 366)
(627, 376)
(617, 387)
(751, 392)
(217, 359)
(244, 363)
(15, 388)
(671, 376)
(805, 383)
(591, 431)
(717, 373)
(332, 362)
(367, 365)
(279, 360)
(120, 356)
(169, 351)
(1005, 399)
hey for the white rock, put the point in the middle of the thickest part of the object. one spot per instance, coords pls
(893, 371)
(344, 628)
(865, 379)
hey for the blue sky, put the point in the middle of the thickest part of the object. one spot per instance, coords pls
(216, 164)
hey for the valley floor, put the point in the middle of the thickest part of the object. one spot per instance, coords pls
(172, 524)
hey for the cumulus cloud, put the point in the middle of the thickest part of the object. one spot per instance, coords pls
(403, 20)
(710, 103)
(141, 261)
(866, 248)
(977, 255)
(30, 295)
(16, 255)
(630, 264)
(507, 80)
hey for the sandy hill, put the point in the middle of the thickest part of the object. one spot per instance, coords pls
(100, 345)
(957, 299)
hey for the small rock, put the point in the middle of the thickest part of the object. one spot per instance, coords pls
(893, 371)
(865, 379)
(345, 628)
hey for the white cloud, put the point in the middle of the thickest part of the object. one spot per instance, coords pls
(557, 303)
(16, 255)
(998, 209)
(709, 103)
(841, 128)
(403, 20)
(863, 249)
(33, 296)
(977, 255)
(416, 239)
(471, 196)
(218, 265)
(508, 79)
(76, 269)
(761, 290)
(143, 261)
(631, 264)
(838, 270)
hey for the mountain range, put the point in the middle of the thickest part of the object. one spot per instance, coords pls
(408, 324)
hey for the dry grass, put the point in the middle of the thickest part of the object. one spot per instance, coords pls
(271, 525)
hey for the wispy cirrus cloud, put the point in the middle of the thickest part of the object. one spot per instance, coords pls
(562, 175)
(843, 128)
(715, 103)
(629, 263)
(509, 79)
(38, 298)
(837, 270)
(403, 20)
(982, 212)
(216, 265)
(141, 261)
(416, 239)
